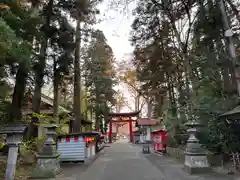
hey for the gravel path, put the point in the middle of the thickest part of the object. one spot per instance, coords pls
(123, 161)
(173, 170)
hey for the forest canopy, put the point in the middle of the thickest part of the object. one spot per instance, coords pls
(183, 63)
(54, 43)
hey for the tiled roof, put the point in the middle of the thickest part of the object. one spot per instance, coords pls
(146, 122)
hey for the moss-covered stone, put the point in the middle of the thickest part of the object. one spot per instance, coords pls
(47, 167)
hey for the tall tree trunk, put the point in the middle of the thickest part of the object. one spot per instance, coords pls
(159, 106)
(149, 107)
(97, 107)
(55, 91)
(224, 70)
(230, 43)
(171, 95)
(77, 80)
(36, 100)
(65, 96)
(42, 62)
(137, 102)
(233, 77)
(39, 71)
(18, 94)
(106, 117)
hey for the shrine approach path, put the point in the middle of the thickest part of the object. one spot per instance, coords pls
(123, 161)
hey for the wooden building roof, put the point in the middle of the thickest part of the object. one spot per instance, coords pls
(129, 114)
(47, 108)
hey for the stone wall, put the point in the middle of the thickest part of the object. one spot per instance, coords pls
(214, 160)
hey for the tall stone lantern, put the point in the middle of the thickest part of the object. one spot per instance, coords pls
(14, 135)
(47, 159)
(195, 157)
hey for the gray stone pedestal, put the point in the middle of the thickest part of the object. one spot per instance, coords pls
(48, 159)
(47, 167)
(195, 158)
(195, 164)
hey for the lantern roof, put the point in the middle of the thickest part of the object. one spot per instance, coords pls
(233, 114)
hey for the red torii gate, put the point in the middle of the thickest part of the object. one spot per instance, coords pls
(123, 117)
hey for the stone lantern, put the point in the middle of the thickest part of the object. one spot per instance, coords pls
(50, 143)
(47, 159)
(14, 138)
(195, 157)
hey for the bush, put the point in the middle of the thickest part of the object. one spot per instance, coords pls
(29, 149)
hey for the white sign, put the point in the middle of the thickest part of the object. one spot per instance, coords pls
(158, 139)
(199, 161)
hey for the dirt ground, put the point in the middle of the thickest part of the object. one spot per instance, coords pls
(23, 171)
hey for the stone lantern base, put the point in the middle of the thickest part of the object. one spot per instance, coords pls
(195, 156)
(47, 167)
(196, 163)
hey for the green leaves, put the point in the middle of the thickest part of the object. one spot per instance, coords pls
(188, 65)
(12, 46)
(7, 40)
(100, 74)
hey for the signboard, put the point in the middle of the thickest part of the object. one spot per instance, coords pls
(199, 161)
(157, 139)
(196, 161)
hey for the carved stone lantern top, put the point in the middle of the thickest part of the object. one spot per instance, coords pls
(193, 145)
(13, 129)
(51, 129)
(193, 124)
(50, 126)
(14, 133)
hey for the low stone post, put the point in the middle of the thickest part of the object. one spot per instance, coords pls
(195, 157)
(14, 138)
(145, 143)
(47, 159)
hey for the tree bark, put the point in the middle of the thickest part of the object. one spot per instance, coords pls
(77, 80)
(36, 100)
(97, 108)
(15, 113)
(137, 101)
(55, 91)
(149, 107)
(39, 71)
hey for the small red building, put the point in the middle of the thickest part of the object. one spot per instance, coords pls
(159, 140)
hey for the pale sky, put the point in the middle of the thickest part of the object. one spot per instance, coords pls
(116, 25)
